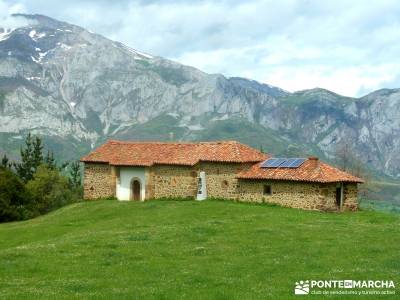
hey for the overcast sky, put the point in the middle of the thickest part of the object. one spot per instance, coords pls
(349, 47)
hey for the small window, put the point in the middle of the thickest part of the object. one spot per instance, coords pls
(224, 184)
(267, 190)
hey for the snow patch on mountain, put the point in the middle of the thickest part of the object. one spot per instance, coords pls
(33, 78)
(220, 118)
(64, 46)
(35, 60)
(34, 35)
(174, 115)
(195, 127)
(5, 33)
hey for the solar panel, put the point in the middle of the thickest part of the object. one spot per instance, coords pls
(266, 163)
(277, 162)
(272, 162)
(283, 162)
(287, 163)
(297, 162)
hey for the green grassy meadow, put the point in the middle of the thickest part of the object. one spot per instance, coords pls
(192, 250)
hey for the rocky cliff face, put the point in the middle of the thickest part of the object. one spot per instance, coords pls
(77, 88)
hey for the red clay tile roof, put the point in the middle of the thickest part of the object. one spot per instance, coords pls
(148, 153)
(310, 171)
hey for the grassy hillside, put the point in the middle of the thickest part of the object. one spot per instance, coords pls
(191, 250)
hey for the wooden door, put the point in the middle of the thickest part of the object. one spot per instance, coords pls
(338, 196)
(135, 190)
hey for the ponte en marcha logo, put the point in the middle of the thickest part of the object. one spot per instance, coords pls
(350, 287)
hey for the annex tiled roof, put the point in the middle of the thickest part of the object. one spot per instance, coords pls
(312, 170)
(148, 153)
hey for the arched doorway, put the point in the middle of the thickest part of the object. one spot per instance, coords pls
(135, 189)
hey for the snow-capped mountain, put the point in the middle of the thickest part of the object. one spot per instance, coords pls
(77, 88)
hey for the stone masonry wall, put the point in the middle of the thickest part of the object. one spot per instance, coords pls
(314, 196)
(220, 178)
(149, 180)
(181, 181)
(173, 181)
(350, 193)
(98, 181)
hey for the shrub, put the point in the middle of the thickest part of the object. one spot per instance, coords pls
(15, 203)
(49, 189)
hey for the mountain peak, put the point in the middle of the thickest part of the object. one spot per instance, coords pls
(42, 20)
(381, 93)
(76, 89)
(316, 90)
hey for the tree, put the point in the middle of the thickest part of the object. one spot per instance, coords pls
(63, 166)
(5, 163)
(24, 168)
(349, 162)
(31, 158)
(38, 185)
(344, 155)
(37, 155)
(15, 202)
(75, 174)
(49, 189)
(50, 160)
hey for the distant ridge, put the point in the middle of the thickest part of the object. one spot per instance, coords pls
(77, 89)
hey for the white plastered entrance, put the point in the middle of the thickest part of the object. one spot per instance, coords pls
(126, 175)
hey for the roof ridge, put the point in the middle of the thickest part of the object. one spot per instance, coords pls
(176, 142)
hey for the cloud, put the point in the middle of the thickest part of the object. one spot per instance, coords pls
(8, 21)
(343, 45)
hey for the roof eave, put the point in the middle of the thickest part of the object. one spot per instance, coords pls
(94, 161)
(130, 165)
(299, 180)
